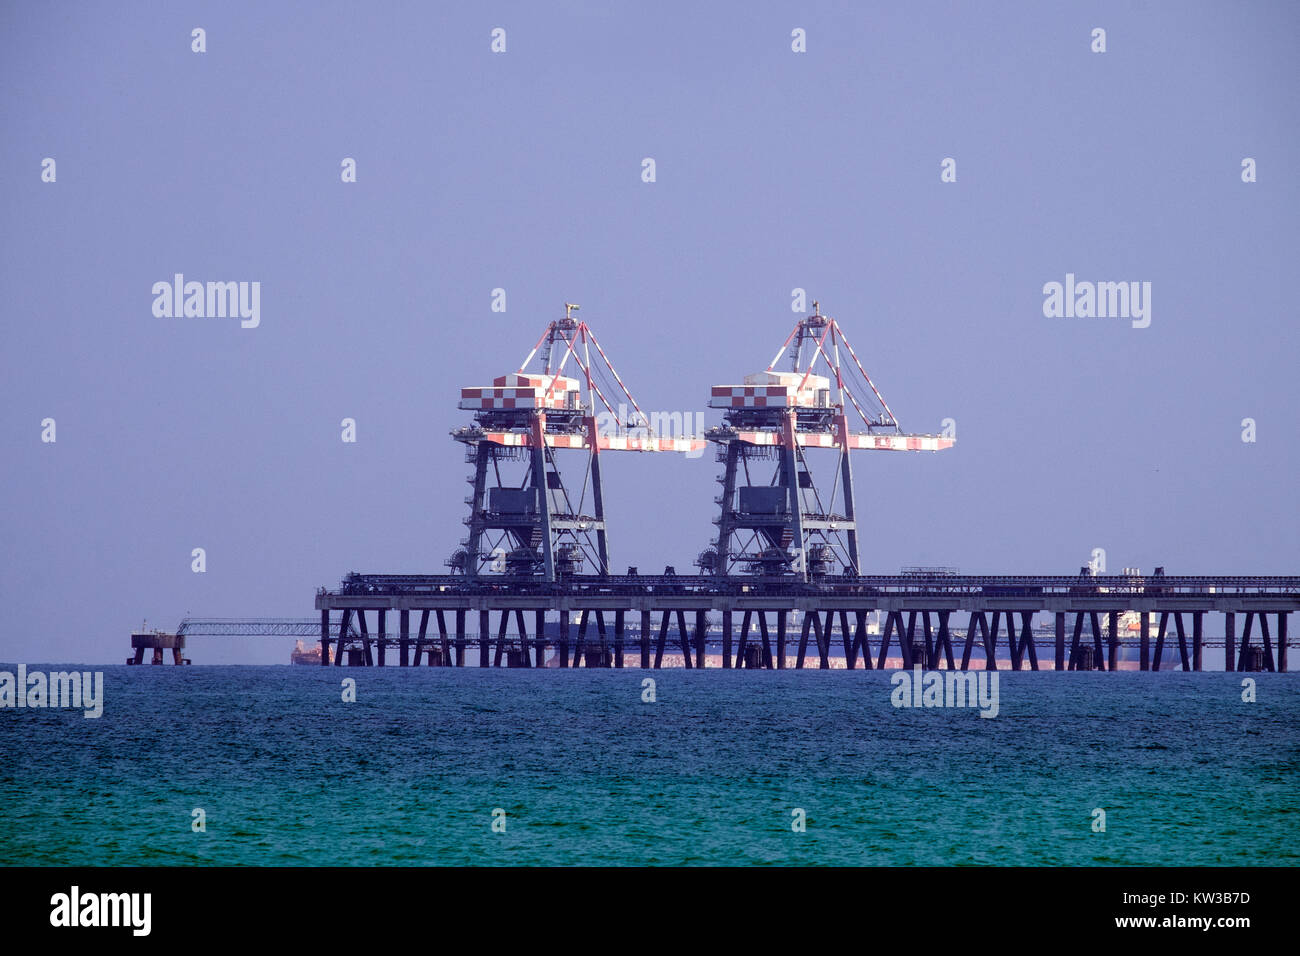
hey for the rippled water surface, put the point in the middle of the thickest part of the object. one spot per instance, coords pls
(588, 773)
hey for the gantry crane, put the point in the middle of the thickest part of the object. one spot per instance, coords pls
(783, 525)
(525, 519)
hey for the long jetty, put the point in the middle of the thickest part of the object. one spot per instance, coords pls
(434, 614)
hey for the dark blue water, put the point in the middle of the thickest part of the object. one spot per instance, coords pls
(586, 772)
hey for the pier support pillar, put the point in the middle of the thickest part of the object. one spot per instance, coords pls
(1160, 640)
(344, 622)
(701, 631)
(1184, 657)
(742, 645)
(665, 619)
(325, 637)
(767, 644)
(645, 640)
(365, 638)
(404, 638)
(620, 632)
(780, 639)
(419, 638)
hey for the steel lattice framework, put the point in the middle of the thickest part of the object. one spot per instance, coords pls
(538, 524)
(786, 524)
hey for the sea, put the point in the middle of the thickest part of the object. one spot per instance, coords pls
(270, 765)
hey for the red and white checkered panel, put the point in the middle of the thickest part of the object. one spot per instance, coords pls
(478, 398)
(766, 396)
(528, 380)
(750, 396)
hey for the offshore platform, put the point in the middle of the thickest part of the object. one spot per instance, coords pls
(786, 555)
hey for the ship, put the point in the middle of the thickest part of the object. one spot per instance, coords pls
(307, 655)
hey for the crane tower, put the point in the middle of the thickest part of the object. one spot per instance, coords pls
(526, 519)
(775, 519)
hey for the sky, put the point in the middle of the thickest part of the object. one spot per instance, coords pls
(775, 170)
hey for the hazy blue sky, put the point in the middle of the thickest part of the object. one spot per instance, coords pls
(522, 170)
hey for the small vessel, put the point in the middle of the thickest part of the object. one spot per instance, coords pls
(307, 655)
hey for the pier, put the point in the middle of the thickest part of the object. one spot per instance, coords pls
(497, 622)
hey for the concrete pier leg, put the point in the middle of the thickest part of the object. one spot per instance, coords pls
(780, 639)
(665, 618)
(501, 638)
(404, 638)
(645, 639)
(580, 645)
(850, 637)
(443, 644)
(803, 640)
(1027, 638)
(419, 640)
(823, 632)
(564, 638)
(324, 637)
(726, 640)
(742, 645)
(701, 632)
(604, 638)
(1099, 658)
(1144, 642)
(344, 623)
(367, 655)
(1268, 641)
(972, 629)
(1281, 641)
(1060, 640)
(620, 633)
(1184, 657)
(1229, 641)
(1077, 641)
(539, 637)
(1245, 640)
(684, 637)
(524, 658)
(1013, 645)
